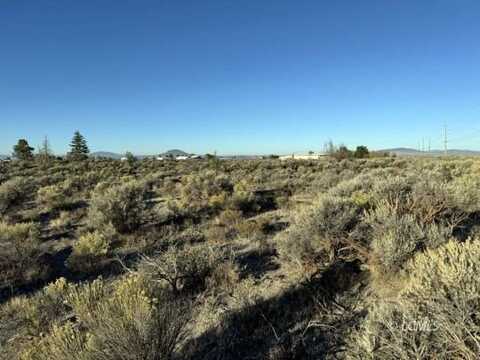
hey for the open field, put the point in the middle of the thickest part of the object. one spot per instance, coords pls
(251, 259)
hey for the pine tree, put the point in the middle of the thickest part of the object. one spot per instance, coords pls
(22, 150)
(78, 147)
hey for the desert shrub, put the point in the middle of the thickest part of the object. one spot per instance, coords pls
(392, 191)
(167, 213)
(123, 206)
(243, 201)
(251, 229)
(62, 222)
(347, 188)
(434, 316)
(429, 201)
(433, 202)
(64, 342)
(243, 198)
(19, 254)
(396, 237)
(465, 190)
(218, 234)
(90, 248)
(223, 278)
(229, 218)
(318, 231)
(361, 199)
(138, 320)
(217, 201)
(190, 236)
(84, 298)
(18, 234)
(57, 196)
(26, 317)
(44, 308)
(134, 320)
(183, 269)
(205, 190)
(13, 192)
(326, 180)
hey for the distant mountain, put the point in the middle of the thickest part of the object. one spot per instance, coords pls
(3, 157)
(414, 152)
(402, 151)
(240, 157)
(106, 154)
(112, 155)
(175, 153)
(457, 152)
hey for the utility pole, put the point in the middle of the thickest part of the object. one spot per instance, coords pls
(445, 139)
(429, 145)
(423, 144)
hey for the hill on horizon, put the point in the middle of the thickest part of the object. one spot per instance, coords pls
(106, 154)
(175, 152)
(402, 151)
(117, 156)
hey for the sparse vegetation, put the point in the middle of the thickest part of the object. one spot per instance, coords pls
(349, 257)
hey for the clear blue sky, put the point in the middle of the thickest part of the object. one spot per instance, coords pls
(239, 76)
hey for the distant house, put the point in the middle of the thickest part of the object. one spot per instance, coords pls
(182, 157)
(314, 156)
(123, 159)
(160, 158)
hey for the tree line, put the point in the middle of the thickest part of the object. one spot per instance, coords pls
(341, 152)
(78, 149)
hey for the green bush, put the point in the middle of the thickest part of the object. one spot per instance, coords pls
(206, 190)
(38, 312)
(318, 231)
(90, 248)
(19, 253)
(53, 197)
(133, 320)
(13, 192)
(123, 206)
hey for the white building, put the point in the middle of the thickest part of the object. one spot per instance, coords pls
(314, 156)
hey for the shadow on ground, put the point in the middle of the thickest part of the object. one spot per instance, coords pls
(256, 263)
(304, 322)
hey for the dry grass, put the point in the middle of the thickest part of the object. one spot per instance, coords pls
(367, 259)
